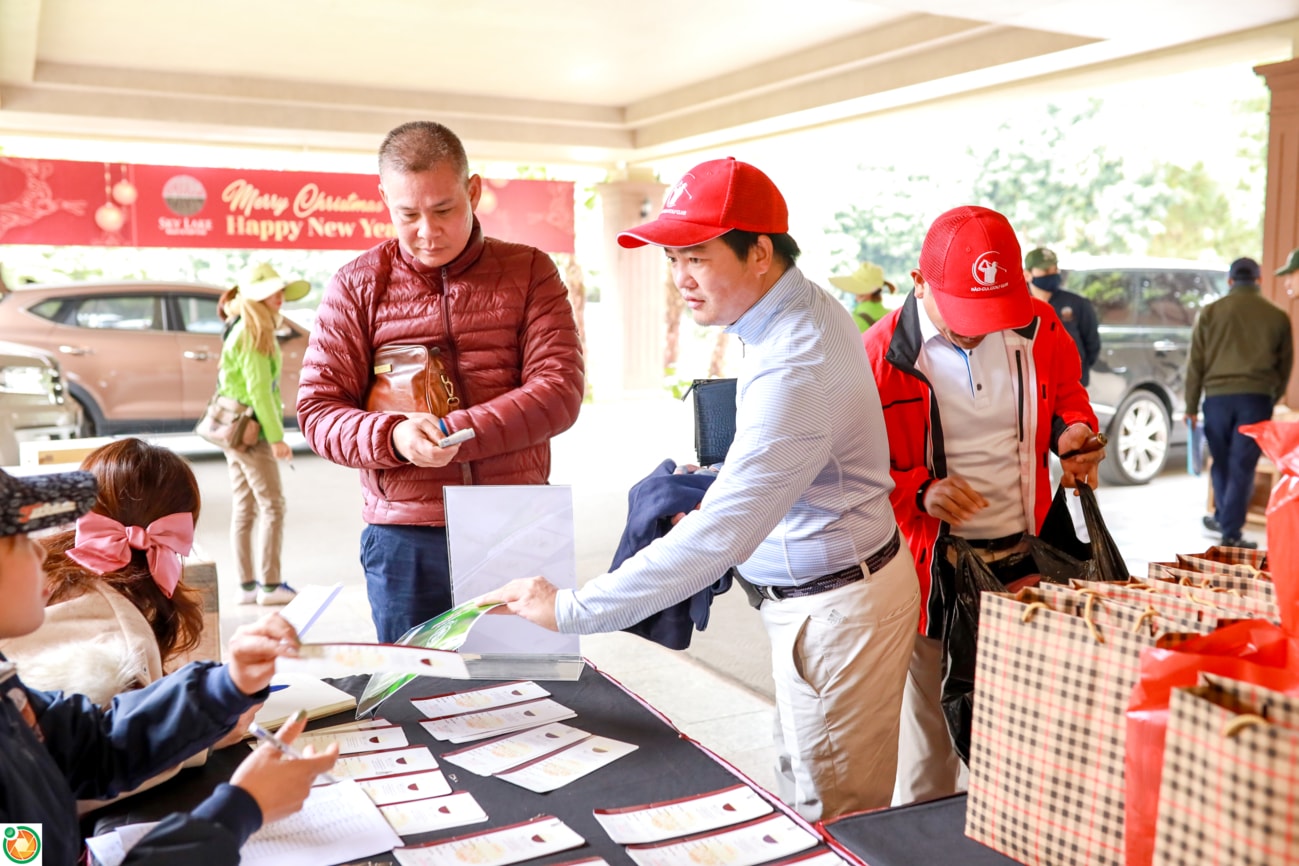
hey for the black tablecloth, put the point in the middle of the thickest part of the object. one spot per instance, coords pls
(926, 833)
(665, 767)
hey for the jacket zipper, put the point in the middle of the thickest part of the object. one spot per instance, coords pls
(1019, 371)
(466, 469)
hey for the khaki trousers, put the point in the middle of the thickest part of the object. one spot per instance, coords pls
(839, 660)
(258, 499)
(928, 765)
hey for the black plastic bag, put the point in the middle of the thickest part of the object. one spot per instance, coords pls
(961, 636)
(1100, 557)
(1058, 556)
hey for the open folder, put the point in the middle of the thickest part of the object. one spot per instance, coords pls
(315, 696)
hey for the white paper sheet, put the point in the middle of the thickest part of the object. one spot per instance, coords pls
(746, 845)
(655, 822)
(557, 770)
(110, 849)
(355, 742)
(474, 700)
(305, 608)
(479, 726)
(439, 813)
(338, 823)
(498, 533)
(536, 838)
(514, 749)
(350, 659)
(404, 787)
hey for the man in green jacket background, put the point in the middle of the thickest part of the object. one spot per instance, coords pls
(1241, 354)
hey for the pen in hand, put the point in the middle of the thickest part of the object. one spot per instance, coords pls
(267, 737)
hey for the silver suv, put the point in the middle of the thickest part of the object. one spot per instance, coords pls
(32, 401)
(1146, 308)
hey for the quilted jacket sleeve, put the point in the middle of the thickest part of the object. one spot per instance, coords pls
(552, 377)
(335, 374)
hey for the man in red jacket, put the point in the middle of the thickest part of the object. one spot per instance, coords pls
(979, 380)
(498, 314)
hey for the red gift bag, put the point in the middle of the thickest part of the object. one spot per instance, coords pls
(1253, 651)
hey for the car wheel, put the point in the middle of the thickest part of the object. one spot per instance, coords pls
(1138, 440)
(87, 428)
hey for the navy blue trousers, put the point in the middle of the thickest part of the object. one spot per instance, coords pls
(1234, 454)
(407, 576)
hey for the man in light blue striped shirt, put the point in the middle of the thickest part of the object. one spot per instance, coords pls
(800, 507)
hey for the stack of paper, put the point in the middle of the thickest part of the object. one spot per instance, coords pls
(654, 822)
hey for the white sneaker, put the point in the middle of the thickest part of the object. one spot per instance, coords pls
(248, 596)
(282, 594)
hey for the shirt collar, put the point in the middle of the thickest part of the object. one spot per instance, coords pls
(752, 326)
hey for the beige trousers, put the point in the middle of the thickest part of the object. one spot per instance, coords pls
(839, 659)
(258, 499)
(928, 765)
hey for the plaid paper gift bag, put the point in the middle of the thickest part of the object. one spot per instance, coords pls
(1226, 560)
(1230, 787)
(1053, 674)
(1257, 585)
(1213, 605)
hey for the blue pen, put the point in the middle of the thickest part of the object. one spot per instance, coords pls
(278, 688)
(443, 425)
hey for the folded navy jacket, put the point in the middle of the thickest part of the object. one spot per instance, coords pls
(651, 505)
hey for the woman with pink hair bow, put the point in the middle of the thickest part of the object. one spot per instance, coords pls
(117, 614)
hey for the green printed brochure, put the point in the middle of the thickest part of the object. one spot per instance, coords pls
(446, 631)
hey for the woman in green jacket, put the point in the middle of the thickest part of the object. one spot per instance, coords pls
(250, 373)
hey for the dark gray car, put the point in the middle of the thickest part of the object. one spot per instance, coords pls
(1146, 308)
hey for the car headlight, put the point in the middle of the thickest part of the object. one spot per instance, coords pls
(25, 380)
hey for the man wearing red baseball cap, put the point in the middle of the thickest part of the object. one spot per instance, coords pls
(800, 507)
(979, 381)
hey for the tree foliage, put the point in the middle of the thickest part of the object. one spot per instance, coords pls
(888, 231)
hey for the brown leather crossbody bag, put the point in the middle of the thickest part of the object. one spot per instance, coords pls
(411, 378)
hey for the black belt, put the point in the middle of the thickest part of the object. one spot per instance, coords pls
(842, 577)
(1006, 542)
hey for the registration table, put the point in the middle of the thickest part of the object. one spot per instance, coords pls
(665, 766)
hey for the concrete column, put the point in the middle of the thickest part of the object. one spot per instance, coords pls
(1281, 214)
(637, 281)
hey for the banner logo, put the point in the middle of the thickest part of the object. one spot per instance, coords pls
(22, 843)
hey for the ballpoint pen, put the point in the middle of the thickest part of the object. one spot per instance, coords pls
(267, 737)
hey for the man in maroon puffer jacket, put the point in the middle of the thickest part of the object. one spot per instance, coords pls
(499, 314)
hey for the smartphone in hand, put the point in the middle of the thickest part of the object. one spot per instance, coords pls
(457, 437)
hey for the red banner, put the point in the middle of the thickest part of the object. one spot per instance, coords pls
(108, 204)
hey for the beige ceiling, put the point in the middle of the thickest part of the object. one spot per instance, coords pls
(598, 81)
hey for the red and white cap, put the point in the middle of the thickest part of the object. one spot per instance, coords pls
(712, 199)
(971, 262)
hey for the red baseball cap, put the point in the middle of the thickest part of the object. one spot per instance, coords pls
(971, 262)
(711, 199)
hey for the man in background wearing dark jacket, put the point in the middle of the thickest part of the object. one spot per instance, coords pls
(498, 316)
(1241, 354)
(1042, 271)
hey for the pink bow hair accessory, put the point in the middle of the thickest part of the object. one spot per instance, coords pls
(104, 545)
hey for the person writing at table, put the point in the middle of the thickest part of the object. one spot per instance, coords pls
(58, 747)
